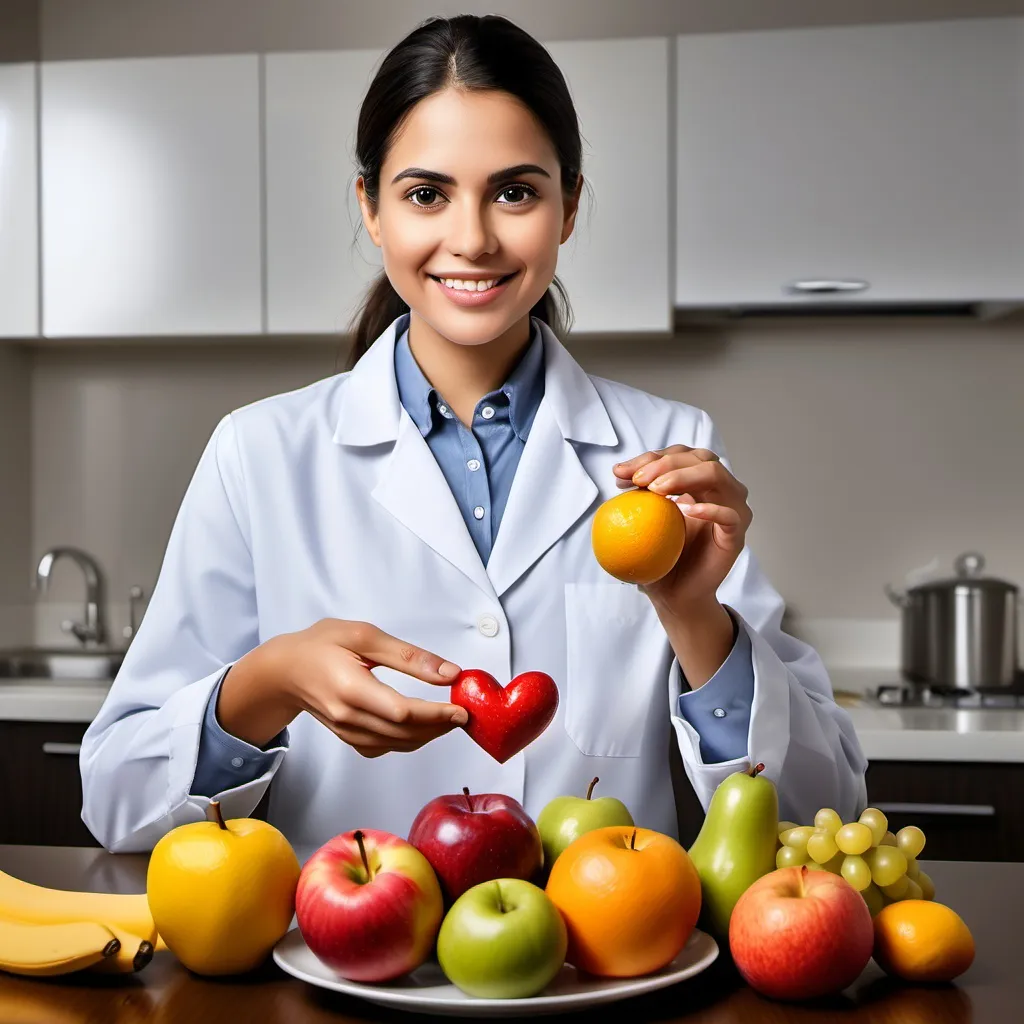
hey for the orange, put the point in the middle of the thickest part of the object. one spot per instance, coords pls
(920, 940)
(638, 536)
(630, 898)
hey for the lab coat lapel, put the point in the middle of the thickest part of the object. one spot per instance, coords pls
(410, 485)
(551, 488)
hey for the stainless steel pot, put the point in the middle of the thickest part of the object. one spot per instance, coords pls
(960, 632)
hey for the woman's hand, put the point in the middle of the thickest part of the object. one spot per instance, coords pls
(715, 505)
(325, 670)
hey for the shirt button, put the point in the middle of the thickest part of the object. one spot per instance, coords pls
(719, 712)
(473, 465)
(443, 410)
(478, 512)
(487, 412)
(488, 625)
(237, 762)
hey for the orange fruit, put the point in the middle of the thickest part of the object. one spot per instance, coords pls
(638, 536)
(920, 940)
(630, 898)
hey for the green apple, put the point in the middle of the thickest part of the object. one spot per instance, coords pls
(736, 844)
(502, 939)
(566, 818)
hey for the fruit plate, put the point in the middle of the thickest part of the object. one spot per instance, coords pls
(427, 990)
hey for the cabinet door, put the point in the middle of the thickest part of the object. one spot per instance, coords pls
(42, 784)
(19, 209)
(615, 266)
(316, 272)
(151, 205)
(889, 154)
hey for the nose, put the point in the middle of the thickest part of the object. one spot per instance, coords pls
(471, 232)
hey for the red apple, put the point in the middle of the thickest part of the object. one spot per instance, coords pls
(797, 934)
(368, 905)
(473, 839)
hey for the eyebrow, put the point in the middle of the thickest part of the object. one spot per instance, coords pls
(492, 179)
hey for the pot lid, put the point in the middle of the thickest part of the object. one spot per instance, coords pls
(968, 567)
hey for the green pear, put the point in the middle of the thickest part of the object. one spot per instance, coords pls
(566, 818)
(736, 844)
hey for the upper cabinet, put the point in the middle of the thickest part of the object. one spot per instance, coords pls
(876, 164)
(151, 203)
(317, 270)
(615, 265)
(19, 210)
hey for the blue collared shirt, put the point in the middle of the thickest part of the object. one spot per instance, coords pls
(479, 462)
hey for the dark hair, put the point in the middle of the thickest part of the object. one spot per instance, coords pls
(466, 52)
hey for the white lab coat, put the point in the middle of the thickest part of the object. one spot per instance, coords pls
(327, 502)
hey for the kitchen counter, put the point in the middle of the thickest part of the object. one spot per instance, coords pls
(990, 897)
(51, 700)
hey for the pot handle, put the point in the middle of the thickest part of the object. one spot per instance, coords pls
(969, 564)
(897, 597)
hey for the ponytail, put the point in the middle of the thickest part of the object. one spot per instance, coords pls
(383, 305)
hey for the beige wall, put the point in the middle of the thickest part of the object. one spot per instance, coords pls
(19, 30)
(114, 28)
(869, 448)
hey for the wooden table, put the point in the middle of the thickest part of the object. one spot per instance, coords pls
(989, 896)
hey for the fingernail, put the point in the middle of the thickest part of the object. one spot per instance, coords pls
(657, 485)
(640, 476)
(683, 507)
(448, 670)
(460, 717)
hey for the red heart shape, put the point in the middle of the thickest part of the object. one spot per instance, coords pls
(503, 720)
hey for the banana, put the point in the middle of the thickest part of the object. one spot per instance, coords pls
(48, 949)
(134, 954)
(36, 904)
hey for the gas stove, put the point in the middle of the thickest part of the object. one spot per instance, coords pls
(907, 695)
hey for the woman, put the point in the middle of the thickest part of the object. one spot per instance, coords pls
(430, 510)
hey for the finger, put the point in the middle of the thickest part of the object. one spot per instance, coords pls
(344, 715)
(625, 470)
(362, 690)
(379, 648)
(700, 477)
(729, 525)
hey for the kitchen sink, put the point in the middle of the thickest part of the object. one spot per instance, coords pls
(100, 663)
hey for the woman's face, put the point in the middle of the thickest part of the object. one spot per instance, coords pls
(448, 210)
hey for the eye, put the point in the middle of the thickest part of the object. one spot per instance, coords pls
(530, 193)
(419, 192)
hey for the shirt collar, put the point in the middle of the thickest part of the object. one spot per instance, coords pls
(524, 388)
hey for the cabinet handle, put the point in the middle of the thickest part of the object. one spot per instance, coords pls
(947, 810)
(826, 286)
(71, 749)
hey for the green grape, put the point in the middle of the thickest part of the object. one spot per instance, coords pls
(829, 820)
(797, 836)
(898, 889)
(854, 838)
(887, 864)
(835, 865)
(927, 886)
(785, 826)
(873, 898)
(856, 872)
(913, 869)
(888, 840)
(910, 840)
(821, 846)
(790, 857)
(914, 891)
(814, 866)
(876, 821)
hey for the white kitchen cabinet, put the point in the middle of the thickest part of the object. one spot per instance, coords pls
(615, 266)
(151, 197)
(317, 273)
(891, 155)
(19, 208)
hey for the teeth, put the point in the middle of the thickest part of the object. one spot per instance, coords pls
(468, 286)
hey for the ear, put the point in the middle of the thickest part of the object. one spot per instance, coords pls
(571, 205)
(370, 219)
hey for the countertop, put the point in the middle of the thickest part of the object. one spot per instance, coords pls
(886, 733)
(989, 896)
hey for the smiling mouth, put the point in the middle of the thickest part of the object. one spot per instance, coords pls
(497, 280)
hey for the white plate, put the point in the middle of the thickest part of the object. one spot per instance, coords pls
(427, 990)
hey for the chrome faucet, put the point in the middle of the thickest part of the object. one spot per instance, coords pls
(92, 632)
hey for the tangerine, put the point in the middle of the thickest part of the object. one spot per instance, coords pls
(630, 898)
(638, 536)
(920, 940)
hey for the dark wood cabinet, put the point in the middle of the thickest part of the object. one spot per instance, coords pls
(968, 810)
(41, 784)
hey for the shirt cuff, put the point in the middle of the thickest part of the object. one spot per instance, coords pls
(225, 761)
(720, 709)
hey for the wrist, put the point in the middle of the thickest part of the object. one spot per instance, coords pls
(256, 700)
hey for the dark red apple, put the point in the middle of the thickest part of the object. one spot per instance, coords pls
(471, 839)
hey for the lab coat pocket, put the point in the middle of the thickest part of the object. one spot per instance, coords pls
(616, 668)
